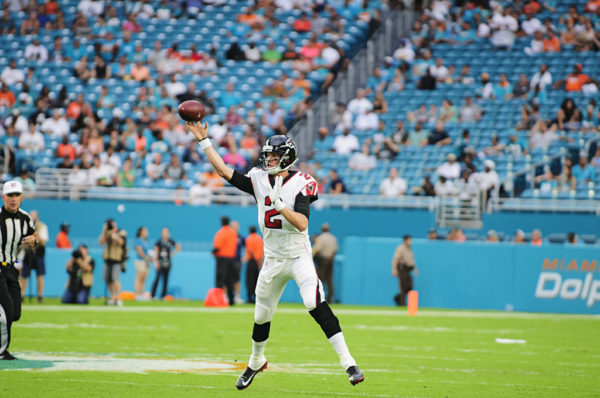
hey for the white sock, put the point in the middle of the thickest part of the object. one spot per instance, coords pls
(339, 344)
(257, 359)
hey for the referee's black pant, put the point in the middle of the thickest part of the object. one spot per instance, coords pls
(10, 303)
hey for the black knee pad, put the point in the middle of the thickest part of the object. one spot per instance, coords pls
(326, 319)
(261, 332)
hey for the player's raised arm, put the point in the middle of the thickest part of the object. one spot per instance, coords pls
(201, 134)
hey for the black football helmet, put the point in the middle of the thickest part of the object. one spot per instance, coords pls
(283, 146)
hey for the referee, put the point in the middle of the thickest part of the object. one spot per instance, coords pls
(16, 229)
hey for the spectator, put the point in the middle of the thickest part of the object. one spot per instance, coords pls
(456, 235)
(519, 236)
(487, 89)
(7, 97)
(574, 81)
(62, 238)
(566, 179)
(324, 251)
(252, 53)
(389, 147)
(503, 89)
(235, 53)
(465, 76)
(126, 177)
(360, 104)
(504, 26)
(492, 236)
(362, 160)
(155, 169)
(12, 75)
(521, 89)
(80, 268)
(551, 43)
(444, 187)
(449, 169)
(432, 234)
(36, 52)
(30, 26)
(568, 117)
(174, 87)
(439, 136)
(100, 174)
(57, 126)
(336, 185)
(392, 186)
(17, 122)
(230, 97)
(531, 25)
(7, 26)
(405, 52)
(139, 72)
(273, 118)
(380, 105)
(254, 257)
(470, 112)
(65, 149)
(200, 193)
(488, 180)
(366, 121)
(346, 143)
(419, 136)
(583, 172)
(27, 183)
(427, 81)
(272, 54)
(439, 70)
(234, 159)
(448, 113)
(536, 237)
(515, 146)
(32, 139)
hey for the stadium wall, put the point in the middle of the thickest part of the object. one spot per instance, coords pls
(198, 224)
(477, 275)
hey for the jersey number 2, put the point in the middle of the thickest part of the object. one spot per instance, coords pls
(269, 214)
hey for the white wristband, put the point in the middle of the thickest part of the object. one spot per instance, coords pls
(278, 205)
(205, 143)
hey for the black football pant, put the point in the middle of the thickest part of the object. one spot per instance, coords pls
(251, 279)
(163, 272)
(10, 303)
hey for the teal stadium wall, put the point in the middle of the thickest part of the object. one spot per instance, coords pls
(472, 275)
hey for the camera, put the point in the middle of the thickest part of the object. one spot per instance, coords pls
(110, 224)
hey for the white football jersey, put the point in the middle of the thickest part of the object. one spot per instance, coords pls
(281, 238)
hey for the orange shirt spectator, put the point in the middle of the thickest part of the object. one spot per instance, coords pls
(73, 110)
(139, 142)
(254, 247)
(62, 239)
(592, 6)
(65, 150)
(213, 180)
(7, 97)
(533, 7)
(52, 7)
(551, 44)
(225, 242)
(302, 24)
(303, 84)
(575, 81)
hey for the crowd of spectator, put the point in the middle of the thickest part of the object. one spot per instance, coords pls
(109, 145)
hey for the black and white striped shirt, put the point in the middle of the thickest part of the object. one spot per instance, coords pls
(13, 228)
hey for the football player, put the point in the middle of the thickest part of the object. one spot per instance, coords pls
(283, 197)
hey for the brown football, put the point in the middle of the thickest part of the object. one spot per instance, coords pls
(191, 111)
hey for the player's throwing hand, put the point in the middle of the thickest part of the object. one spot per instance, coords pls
(199, 131)
(274, 194)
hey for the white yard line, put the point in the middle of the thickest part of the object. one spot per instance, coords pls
(341, 311)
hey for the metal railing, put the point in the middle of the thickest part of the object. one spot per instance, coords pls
(394, 26)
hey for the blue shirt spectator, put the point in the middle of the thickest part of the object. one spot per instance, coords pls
(229, 97)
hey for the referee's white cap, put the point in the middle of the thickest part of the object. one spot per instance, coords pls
(12, 187)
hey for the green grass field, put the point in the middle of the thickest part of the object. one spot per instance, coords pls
(183, 349)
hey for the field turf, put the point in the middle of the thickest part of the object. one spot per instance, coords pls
(183, 349)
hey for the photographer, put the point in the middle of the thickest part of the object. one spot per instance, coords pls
(80, 268)
(114, 256)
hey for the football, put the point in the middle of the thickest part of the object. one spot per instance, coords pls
(191, 111)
